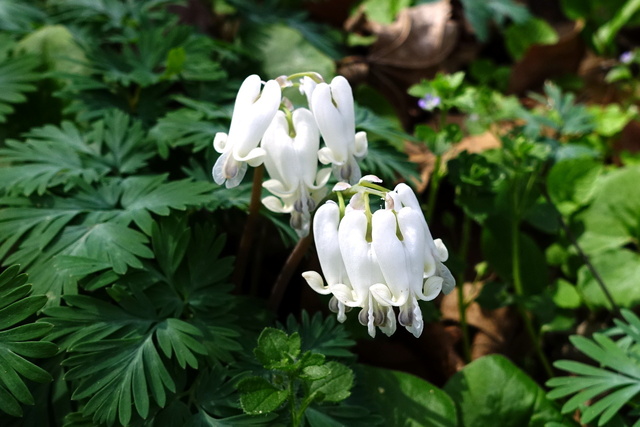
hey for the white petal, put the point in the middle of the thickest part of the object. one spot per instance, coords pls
(391, 256)
(410, 317)
(441, 250)
(432, 288)
(306, 144)
(330, 122)
(220, 142)
(343, 97)
(315, 282)
(251, 116)
(274, 204)
(361, 145)
(449, 282)
(325, 231)
(415, 247)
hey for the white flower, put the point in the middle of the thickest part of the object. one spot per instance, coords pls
(435, 253)
(379, 261)
(332, 107)
(292, 163)
(252, 113)
(325, 233)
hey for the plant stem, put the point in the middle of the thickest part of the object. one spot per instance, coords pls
(292, 404)
(249, 229)
(296, 255)
(433, 188)
(517, 284)
(462, 304)
(585, 257)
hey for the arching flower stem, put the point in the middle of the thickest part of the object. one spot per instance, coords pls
(249, 229)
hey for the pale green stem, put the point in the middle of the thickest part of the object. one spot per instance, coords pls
(517, 285)
(462, 303)
(433, 188)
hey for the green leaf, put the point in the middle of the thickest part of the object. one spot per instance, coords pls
(496, 247)
(114, 374)
(325, 336)
(480, 13)
(565, 295)
(492, 391)
(16, 343)
(534, 31)
(180, 338)
(144, 194)
(613, 218)
(258, 396)
(299, 54)
(615, 386)
(18, 16)
(335, 386)
(341, 416)
(405, 400)
(611, 119)
(620, 271)
(571, 183)
(17, 77)
(276, 349)
(56, 47)
(603, 37)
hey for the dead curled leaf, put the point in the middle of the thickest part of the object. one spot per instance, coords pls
(406, 51)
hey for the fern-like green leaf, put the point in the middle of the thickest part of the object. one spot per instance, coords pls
(65, 155)
(615, 386)
(17, 77)
(319, 335)
(18, 16)
(17, 342)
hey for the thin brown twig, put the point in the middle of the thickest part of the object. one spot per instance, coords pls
(290, 266)
(249, 229)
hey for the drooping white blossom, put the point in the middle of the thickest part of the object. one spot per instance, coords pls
(253, 111)
(389, 257)
(292, 164)
(332, 107)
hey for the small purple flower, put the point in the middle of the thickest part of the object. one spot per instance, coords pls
(626, 57)
(429, 102)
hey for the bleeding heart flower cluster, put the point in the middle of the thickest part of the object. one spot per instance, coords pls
(378, 260)
(265, 128)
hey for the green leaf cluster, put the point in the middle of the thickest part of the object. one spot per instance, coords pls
(19, 341)
(602, 391)
(299, 378)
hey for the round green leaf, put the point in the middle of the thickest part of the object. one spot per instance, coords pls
(491, 391)
(406, 400)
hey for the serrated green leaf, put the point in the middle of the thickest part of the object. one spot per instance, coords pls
(276, 349)
(315, 372)
(335, 386)
(258, 396)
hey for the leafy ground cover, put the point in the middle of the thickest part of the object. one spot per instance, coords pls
(134, 290)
